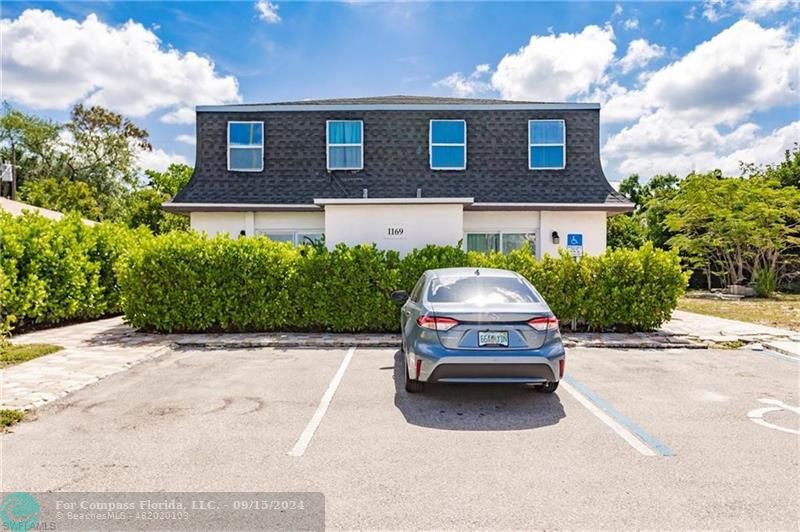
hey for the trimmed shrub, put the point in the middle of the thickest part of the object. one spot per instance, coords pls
(54, 271)
(430, 257)
(189, 282)
(345, 289)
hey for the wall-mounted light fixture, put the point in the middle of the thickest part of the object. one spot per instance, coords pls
(555, 237)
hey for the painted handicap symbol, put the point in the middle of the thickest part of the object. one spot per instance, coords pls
(575, 240)
(757, 415)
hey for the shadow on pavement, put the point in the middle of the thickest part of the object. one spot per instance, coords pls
(475, 406)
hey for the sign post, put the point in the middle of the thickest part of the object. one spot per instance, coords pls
(575, 244)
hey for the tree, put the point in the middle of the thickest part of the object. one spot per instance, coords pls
(31, 143)
(787, 172)
(104, 148)
(626, 231)
(88, 164)
(650, 199)
(632, 189)
(143, 205)
(656, 196)
(734, 227)
(169, 182)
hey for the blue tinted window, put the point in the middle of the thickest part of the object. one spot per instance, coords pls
(246, 158)
(447, 157)
(246, 146)
(448, 131)
(344, 132)
(245, 133)
(547, 157)
(345, 139)
(344, 157)
(547, 147)
(547, 132)
(448, 144)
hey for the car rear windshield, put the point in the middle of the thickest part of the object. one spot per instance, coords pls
(477, 289)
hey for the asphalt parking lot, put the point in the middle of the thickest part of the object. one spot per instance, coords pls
(634, 439)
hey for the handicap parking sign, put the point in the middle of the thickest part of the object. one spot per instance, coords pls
(575, 239)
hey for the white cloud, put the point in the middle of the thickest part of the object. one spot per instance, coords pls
(556, 67)
(640, 52)
(51, 62)
(466, 86)
(717, 82)
(267, 11)
(689, 113)
(631, 24)
(181, 115)
(760, 8)
(187, 139)
(659, 144)
(158, 159)
(713, 10)
(617, 10)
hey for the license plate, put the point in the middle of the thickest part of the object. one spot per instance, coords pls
(495, 338)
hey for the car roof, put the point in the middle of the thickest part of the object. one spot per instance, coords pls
(467, 272)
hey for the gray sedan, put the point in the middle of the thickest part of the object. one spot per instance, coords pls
(480, 325)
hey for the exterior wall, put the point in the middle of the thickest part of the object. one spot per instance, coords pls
(235, 222)
(592, 225)
(290, 221)
(522, 221)
(220, 222)
(421, 224)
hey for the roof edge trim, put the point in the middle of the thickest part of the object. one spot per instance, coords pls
(253, 108)
(394, 201)
(237, 207)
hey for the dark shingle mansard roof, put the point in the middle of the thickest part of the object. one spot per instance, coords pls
(396, 159)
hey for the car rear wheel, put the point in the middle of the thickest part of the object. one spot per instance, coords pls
(412, 386)
(550, 387)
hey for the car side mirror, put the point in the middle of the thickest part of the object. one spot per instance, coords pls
(399, 296)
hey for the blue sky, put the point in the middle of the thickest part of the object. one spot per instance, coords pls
(684, 85)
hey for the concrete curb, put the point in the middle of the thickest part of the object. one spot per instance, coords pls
(394, 342)
(781, 350)
(635, 345)
(286, 343)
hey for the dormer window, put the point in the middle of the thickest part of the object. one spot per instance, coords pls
(547, 144)
(345, 141)
(448, 144)
(246, 146)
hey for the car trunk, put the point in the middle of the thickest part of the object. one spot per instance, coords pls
(499, 326)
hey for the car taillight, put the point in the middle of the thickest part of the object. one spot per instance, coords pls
(544, 323)
(436, 323)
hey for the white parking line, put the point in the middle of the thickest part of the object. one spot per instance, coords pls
(626, 435)
(308, 433)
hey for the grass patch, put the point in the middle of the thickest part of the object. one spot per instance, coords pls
(10, 417)
(730, 344)
(781, 311)
(16, 354)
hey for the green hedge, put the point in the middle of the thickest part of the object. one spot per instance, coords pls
(188, 282)
(55, 271)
